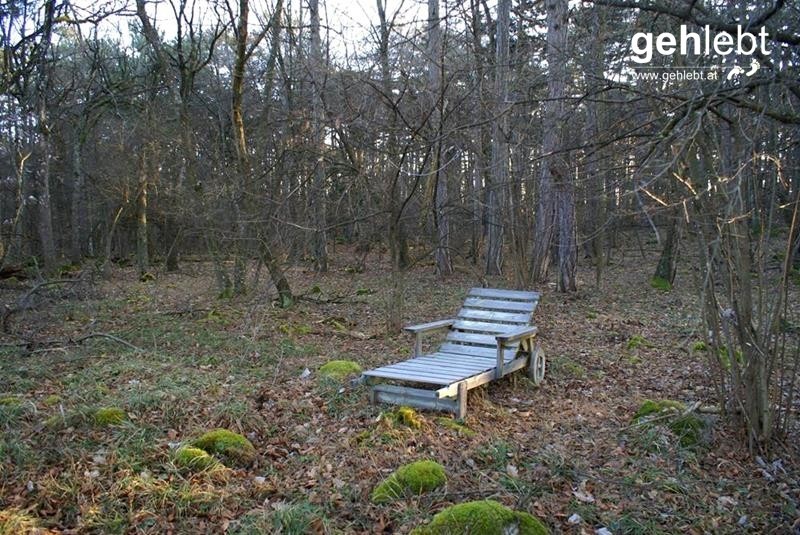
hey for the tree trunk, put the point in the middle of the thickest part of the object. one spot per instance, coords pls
(553, 205)
(142, 257)
(668, 261)
(243, 171)
(79, 213)
(444, 263)
(499, 170)
(317, 205)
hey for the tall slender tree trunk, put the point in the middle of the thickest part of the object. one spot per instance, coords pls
(243, 171)
(499, 168)
(79, 217)
(142, 256)
(595, 220)
(444, 263)
(555, 214)
(43, 202)
(317, 204)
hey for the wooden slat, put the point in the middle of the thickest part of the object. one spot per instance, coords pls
(484, 327)
(388, 374)
(469, 352)
(422, 365)
(471, 338)
(460, 357)
(494, 304)
(432, 326)
(450, 360)
(445, 373)
(446, 365)
(483, 378)
(504, 294)
(484, 315)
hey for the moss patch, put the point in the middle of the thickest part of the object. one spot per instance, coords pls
(485, 517)
(231, 447)
(408, 417)
(17, 522)
(52, 400)
(109, 416)
(653, 407)
(10, 401)
(411, 479)
(660, 283)
(687, 427)
(699, 346)
(193, 458)
(636, 341)
(339, 369)
(455, 425)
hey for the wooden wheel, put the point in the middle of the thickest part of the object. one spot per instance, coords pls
(537, 364)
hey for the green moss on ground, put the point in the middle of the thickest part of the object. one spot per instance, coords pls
(484, 517)
(687, 427)
(194, 459)
(10, 401)
(636, 341)
(109, 416)
(411, 479)
(408, 417)
(660, 283)
(339, 369)
(52, 400)
(18, 522)
(653, 407)
(231, 447)
(455, 425)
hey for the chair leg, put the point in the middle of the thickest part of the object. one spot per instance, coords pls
(461, 411)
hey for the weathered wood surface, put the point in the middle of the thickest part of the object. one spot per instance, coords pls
(504, 294)
(483, 343)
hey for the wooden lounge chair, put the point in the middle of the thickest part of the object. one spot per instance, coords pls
(491, 336)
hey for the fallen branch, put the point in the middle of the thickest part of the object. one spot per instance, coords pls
(24, 301)
(117, 339)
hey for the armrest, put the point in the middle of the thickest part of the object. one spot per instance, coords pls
(432, 326)
(514, 336)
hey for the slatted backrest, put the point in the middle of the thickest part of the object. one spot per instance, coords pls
(486, 313)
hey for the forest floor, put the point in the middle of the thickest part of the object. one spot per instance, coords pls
(561, 449)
